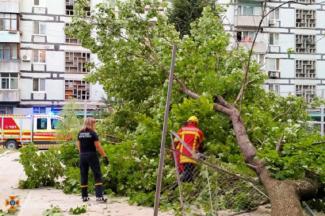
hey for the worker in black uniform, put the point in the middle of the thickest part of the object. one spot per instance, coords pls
(88, 145)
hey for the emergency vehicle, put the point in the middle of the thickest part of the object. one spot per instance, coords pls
(17, 130)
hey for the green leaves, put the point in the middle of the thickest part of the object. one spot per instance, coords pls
(133, 43)
(41, 168)
(78, 210)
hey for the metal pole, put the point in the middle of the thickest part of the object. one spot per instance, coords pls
(164, 134)
(181, 200)
(210, 193)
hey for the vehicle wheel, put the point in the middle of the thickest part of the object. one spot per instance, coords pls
(11, 144)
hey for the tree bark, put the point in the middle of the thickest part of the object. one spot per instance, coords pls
(284, 195)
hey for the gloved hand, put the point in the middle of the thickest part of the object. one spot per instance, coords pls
(106, 161)
(201, 156)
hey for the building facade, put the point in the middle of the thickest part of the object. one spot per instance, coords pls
(41, 68)
(290, 46)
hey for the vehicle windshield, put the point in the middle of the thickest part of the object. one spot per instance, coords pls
(54, 123)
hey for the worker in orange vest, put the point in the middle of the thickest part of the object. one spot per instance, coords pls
(193, 137)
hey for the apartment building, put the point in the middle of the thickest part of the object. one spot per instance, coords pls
(41, 68)
(290, 46)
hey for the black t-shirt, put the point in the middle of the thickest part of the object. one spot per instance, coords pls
(87, 139)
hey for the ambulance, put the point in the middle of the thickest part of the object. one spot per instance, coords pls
(18, 130)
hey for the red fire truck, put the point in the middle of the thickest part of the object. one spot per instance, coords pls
(17, 130)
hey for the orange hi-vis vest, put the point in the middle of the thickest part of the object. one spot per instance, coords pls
(193, 137)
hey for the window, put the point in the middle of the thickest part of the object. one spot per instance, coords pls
(308, 92)
(9, 80)
(39, 28)
(8, 52)
(249, 10)
(75, 62)
(260, 58)
(69, 8)
(305, 69)
(69, 39)
(6, 110)
(274, 88)
(39, 56)
(42, 124)
(305, 18)
(8, 22)
(305, 1)
(39, 110)
(274, 15)
(76, 89)
(38, 84)
(273, 64)
(274, 39)
(245, 36)
(305, 44)
(54, 123)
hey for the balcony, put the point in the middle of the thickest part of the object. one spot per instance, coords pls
(9, 66)
(9, 95)
(260, 47)
(249, 21)
(38, 96)
(9, 37)
(274, 49)
(9, 6)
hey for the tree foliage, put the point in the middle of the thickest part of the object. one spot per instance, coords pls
(184, 12)
(42, 169)
(133, 41)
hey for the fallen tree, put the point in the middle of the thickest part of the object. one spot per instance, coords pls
(266, 132)
(285, 196)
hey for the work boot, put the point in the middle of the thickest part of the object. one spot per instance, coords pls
(85, 199)
(101, 199)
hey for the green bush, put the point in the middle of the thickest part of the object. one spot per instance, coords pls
(41, 168)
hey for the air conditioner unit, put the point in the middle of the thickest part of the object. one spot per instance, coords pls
(25, 58)
(274, 74)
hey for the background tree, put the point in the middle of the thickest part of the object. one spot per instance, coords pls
(184, 12)
(134, 42)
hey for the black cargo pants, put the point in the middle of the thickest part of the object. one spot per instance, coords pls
(188, 172)
(90, 160)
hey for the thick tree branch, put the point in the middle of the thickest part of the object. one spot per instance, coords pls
(285, 196)
(307, 188)
(219, 107)
(279, 145)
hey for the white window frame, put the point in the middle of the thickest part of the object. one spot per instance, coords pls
(256, 10)
(274, 88)
(40, 85)
(9, 79)
(274, 15)
(38, 56)
(39, 28)
(8, 22)
(274, 37)
(273, 64)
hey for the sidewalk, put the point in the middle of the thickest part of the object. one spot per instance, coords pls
(34, 202)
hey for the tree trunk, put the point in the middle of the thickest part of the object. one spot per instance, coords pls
(285, 196)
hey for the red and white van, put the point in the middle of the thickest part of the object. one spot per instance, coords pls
(17, 130)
